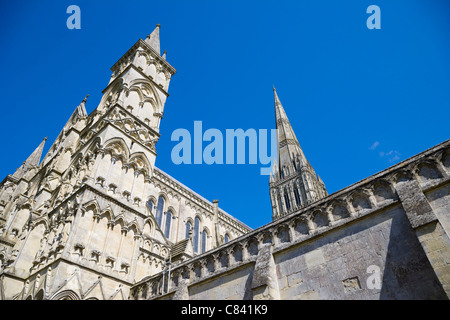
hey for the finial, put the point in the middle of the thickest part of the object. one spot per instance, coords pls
(45, 139)
(158, 25)
(84, 100)
(275, 90)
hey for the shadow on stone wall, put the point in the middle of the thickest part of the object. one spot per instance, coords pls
(407, 272)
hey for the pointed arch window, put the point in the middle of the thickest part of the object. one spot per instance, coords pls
(280, 205)
(204, 240)
(286, 200)
(159, 210)
(150, 205)
(227, 237)
(188, 228)
(297, 196)
(167, 224)
(196, 234)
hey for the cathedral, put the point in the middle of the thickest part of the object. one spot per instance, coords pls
(95, 219)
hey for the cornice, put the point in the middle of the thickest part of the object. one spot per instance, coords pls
(141, 73)
(143, 44)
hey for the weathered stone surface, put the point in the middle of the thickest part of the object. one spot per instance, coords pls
(182, 292)
(97, 220)
(98, 202)
(351, 284)
(264, 282)
(416, 206)
(373, 253)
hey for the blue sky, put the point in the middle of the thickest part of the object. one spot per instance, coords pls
(359, 100)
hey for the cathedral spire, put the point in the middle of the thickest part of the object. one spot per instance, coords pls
(288, 147)
(153, 39)
(294, 183)
(32, 161)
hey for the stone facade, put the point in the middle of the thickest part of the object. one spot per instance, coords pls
(97, 220)
(96, 215)
(391, 228)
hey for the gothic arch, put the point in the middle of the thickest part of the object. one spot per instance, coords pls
(301, 226)
(117, 147)
(140, 162)
(164, 196)
(282, 233)
(339, 210)
(152, 102)
(91, 205)
(41, 220)
(360, 199)
(150, 87)
(382, 190)
(148, 227)
(133, 226)
(106, 213)
(189, 219)
(445, 158)
(156, 248)
(199, 215)
(402, 175)
(94, 145)
(164, 252)
(66, 295)
(427, 171)
(320, 219)
(120, 220)
(172, 209)
(113, 93)
(145, 55)
(153, 201)
(73, 164)
(40, 295)
(136, 89)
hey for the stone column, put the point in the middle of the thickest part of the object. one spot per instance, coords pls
(245, 253)
(273, 198)
(113, 162)
(264, 282)
(283, 204)
(432, 236)
(294, 204)
(182, 292)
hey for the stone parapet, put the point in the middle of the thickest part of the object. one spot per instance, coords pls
(428, 171)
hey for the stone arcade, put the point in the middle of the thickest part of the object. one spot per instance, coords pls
(95, 219)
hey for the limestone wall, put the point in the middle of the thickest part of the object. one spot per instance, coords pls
(385, 237)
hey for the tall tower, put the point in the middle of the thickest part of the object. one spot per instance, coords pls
(294, 183)
(81, 213)
(96, 215)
